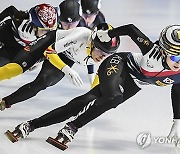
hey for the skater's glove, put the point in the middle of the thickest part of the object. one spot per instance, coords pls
(175, 132)
(91, 78)
(73, 76)
(103, 35)
(26, 33)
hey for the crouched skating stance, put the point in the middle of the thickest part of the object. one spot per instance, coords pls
(78, 45)
(158, 65)
(112, 76)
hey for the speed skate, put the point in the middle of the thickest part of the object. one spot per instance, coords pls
(59, 142)
(13, 136)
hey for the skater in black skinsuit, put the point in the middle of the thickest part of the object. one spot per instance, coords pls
(49, 74)
(19, 28)
(158, 64)
(87, 53)
(91, 13)
(9, 46)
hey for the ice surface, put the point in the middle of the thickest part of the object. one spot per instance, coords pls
(116, 131)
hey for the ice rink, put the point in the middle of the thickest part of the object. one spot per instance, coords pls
(115, 131)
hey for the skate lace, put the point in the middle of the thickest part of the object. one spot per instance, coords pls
(26, 128)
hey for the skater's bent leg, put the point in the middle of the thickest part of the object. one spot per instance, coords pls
(107, 102)
(100, 106)
(65, 112)
(48, 76)
(112, 87)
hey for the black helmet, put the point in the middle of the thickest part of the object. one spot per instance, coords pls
(106, 46)
(70, 11)
(169, 40)
(90, 6)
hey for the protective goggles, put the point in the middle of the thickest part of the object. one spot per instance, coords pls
(48, 29)
(175, 58)
(70, 23)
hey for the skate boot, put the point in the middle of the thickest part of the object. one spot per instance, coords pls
(2, 105)
(65, 135)
(21, 131)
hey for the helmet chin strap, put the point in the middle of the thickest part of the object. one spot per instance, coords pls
(164, 63)
(164, 57)
(36, 30)
(89, 49)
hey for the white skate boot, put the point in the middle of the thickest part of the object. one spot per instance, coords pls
(66, 134)
(175, 132)
(21, 131)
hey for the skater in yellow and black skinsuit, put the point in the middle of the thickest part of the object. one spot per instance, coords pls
(49, 75)
(80, 39)
(19, 28)
(24, 60)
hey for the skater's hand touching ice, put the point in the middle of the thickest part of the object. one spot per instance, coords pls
(73, 76)
(175, 132)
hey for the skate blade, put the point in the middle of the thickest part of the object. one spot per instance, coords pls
(11, 136)
(56, 143)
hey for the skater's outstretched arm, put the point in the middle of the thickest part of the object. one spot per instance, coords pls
(175, 96)
(64, 112)
(13, 13)
(142, 41)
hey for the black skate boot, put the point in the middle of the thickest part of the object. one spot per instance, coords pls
(65, 135)
(21, 131)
